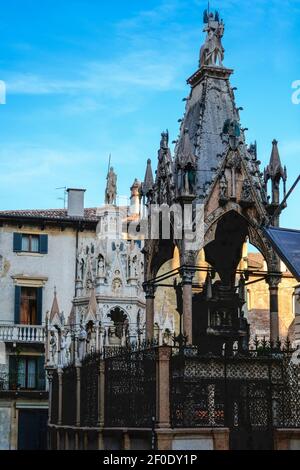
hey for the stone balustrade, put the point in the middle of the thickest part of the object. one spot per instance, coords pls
(22, 334)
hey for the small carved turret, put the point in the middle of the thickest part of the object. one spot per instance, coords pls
(275, 172)
(135, 197)
(148, 183)
(186, 162)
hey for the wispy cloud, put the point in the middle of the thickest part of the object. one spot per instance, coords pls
(152, 61)
(25, 163)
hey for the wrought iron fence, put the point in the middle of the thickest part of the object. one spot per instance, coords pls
(69, 381)
(130, 387)
(256, 391)
(89, 394)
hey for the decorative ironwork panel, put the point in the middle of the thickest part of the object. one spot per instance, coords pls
(69, 380)
(130, 388)
(89, 391)
(247, 370)
(251, 393)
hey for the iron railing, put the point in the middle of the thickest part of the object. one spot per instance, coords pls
(257, 390)
(69, 381)
(89, 394)
(130, 387)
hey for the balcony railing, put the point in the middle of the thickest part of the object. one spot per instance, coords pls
(22, 334)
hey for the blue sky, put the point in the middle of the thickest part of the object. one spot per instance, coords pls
(89, 78)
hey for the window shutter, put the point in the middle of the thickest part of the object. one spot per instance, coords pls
(17, 242)
(17, 304)
(43, 244)
(39, 305)
(41, 376)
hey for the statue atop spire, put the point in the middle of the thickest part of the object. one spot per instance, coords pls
(212, 52)
(111, 187)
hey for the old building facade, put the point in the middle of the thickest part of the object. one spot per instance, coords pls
(70, 281)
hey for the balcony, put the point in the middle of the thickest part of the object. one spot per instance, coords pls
(22, 334)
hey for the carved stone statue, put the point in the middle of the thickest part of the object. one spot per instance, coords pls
(82, 337)
(246, 195)
(101, 266)
(63, 349)
(111, 188)
(223, 195)
(212, 51)
(164, 143)
(53, 346)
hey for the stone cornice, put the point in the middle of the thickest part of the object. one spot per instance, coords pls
(212, 72)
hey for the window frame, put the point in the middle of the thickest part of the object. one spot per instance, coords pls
(15, 377)
(30, 236)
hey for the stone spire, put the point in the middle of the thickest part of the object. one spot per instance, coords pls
(92, 307)
(210, 105)
(186, 152)
(149, 180)
(275, 172)
(55, 308)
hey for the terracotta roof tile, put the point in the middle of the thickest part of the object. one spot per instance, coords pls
(51, 214)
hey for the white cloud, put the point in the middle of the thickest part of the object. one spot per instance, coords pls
(25, 163)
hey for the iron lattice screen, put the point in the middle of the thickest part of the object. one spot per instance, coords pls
(89, 393)
(130, 390)
(255, 392)
(68, 396)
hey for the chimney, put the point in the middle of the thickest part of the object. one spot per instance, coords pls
(76, 202)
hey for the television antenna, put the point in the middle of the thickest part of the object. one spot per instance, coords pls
(64, 198)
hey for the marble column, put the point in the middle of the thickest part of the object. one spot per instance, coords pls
(297, 314)
(78, 392)
(60, 395)
(274, 280)
(163, 387)
(187, 275)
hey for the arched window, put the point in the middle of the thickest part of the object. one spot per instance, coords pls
(120, 320)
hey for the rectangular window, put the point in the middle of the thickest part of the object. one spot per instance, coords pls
(28, 305)
(24, 373)
(30, 243)
(28, 311)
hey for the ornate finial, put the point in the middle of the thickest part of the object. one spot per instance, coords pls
(212, 52)
(149, 180)
(275, 172)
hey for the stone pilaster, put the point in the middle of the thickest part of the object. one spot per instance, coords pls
(163, 387)
(78, 393)
(60, 392)
(297, 314)
(50, 373)
(187, 275)
(150, 311)
(101, 388)
(274, 280)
